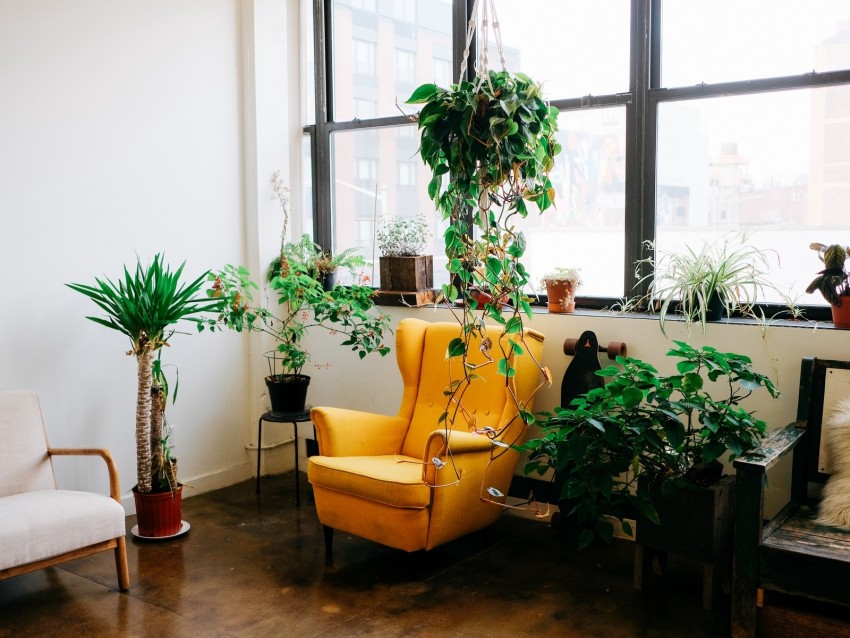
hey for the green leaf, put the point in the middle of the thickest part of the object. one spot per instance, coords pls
(423, 93)
(456, 348)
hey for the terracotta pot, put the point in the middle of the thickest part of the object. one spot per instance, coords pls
(561, 296)
(159, 513)
(841, 314)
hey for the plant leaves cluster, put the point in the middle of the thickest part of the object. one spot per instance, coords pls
(642, 422)
(730, 270)
(833, 282)
(305, 304)
(144, 305)
(490, 145)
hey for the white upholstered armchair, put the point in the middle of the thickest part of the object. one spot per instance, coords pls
(41, 525)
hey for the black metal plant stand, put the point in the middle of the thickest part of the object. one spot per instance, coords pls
(282, 417)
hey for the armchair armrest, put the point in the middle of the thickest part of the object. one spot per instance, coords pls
(344, 432)
(112, 469)
(772, 449)
(460, 442)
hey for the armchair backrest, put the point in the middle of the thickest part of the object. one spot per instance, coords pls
(421, 350)
(24, 463)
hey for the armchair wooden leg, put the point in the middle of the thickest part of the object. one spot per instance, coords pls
(329, 541)
(121, 565)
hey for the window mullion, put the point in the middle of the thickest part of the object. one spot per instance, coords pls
(321, 151)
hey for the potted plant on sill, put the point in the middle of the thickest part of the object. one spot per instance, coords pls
(561, 285)
(721, 278)
(833, 282)
(404, 268)
(145, 305)
(615, 448)
(304, 303)
(320, 264)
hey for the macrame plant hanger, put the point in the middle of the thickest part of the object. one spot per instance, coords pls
(485, 8)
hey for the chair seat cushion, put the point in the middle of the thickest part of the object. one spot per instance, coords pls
(46, 523)
(394, 480)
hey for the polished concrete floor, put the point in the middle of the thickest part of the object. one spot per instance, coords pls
(254, 565)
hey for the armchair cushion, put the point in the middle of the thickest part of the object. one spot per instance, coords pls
(391, 480)
(47, 523)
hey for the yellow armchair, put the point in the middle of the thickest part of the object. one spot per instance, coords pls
(375, 477)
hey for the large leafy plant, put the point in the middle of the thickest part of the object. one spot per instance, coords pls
(144, 305)
(666, 426)
(490, 144)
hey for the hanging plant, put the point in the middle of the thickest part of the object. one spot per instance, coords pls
(490, 144)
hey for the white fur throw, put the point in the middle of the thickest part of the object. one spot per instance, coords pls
(834, 509)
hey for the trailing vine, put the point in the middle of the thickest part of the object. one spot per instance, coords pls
(490, 145)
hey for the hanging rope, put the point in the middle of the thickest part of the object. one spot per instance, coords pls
(486, 8)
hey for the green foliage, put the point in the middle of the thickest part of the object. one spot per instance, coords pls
(490, 145)
(145, 303)
(644, 422)
(305, 304)
(314, 260)
(833, 282)
(686, 281)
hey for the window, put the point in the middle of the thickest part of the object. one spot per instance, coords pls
(364, 57)
(717, 118)
(405, 66)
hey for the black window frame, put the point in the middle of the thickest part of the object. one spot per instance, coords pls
(641, 102)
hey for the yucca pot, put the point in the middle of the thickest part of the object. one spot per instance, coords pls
(159, 514)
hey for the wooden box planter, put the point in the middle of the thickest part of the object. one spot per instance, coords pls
(407, 274)
(696, 523)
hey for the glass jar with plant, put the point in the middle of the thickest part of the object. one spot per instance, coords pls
(403, 265)
(671, 429)
(726, 276)
(833, 282)
(561, 285)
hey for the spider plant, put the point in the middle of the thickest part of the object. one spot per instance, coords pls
(728, 276)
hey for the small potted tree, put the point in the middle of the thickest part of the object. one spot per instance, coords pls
(144, 305)
(833, 282)
(561, 285)
(404, 267)
(304, 303)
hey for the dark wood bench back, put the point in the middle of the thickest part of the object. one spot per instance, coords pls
(823, 383)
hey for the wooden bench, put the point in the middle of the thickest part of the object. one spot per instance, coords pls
(790, 553)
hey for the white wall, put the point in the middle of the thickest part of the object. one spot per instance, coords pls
(123, 132)
(341, 379)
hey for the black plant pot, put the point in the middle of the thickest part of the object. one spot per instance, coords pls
(288, 392)
(715, 309)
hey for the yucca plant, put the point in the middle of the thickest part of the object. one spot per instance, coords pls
(144, 305)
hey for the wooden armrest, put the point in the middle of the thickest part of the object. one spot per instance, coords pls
(114, 482)
(772, 449)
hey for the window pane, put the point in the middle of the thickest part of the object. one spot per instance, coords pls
(589, 179)
(306, 188)
(382, 51)
(729, 40)
(774, 163)
(308, 94)
(376, 176)
(580, 48)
